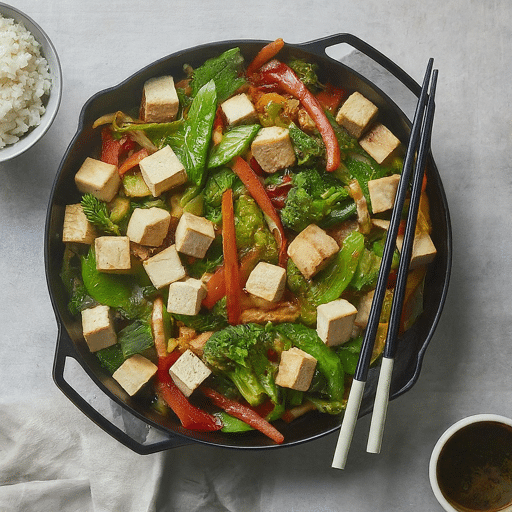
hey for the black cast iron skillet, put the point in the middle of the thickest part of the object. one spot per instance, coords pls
(86, 142)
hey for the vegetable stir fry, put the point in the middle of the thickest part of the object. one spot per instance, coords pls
(225, 250)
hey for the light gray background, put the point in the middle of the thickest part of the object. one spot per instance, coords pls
(467, 366)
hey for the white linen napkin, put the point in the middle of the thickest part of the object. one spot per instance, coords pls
(53, 458)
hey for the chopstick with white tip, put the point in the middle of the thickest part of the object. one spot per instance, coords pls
(386, 370)
(361, 373)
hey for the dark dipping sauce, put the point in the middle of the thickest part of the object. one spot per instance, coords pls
(474, 469)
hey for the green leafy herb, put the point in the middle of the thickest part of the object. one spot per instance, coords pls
(225, 70)
(97, 213)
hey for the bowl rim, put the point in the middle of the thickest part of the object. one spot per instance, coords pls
(49, 52)
(447, 435)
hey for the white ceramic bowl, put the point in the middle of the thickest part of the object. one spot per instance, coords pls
(450, 432)
(53, 101)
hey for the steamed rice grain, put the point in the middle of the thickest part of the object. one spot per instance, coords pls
(24, 81)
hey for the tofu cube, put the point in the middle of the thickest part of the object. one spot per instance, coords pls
(185, 296)
(379, 143)
(134, 373)
(160, 101)
(363, 310)
(356, 114)
(189, 372)
(164, 267)
(311, 250)
(98, 328)
(238, 110)
(112, 253)
(194, 235)
(148, 226)
(98, 178)
(273, 149)
(77, 229)
(335, 321)
(266, 281)
(383, 192)
(423, 250)
(296, 369)
(162, 171)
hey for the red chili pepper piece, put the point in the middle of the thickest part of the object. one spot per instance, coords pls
(132, 161)
(331, 97)
(191, 417)
(257, 191)
(244, 413)
(233, 290)
(283, 75)
(268, 52)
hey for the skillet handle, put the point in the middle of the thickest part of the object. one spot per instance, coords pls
(318, 47)
(65, 349)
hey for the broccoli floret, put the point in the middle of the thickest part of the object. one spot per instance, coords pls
(316, 197)
(239, 353)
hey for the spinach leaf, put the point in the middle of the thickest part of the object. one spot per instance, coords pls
(135, 338)
(225, 70)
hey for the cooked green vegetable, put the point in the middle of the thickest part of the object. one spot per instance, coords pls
(234, 142)
(96, 212)
(252, 230)
(315, 197)
(191, 141)
(308, 150)
(328, 363)
(218, 182)
(135, 338)
(225, 70)
(331, 282)
(307, 74)
(239, 353)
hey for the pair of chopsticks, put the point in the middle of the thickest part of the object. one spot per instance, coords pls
(415, 156)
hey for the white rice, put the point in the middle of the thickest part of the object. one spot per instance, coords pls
(24, 81)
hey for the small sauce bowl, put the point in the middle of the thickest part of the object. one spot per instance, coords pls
(471, 465)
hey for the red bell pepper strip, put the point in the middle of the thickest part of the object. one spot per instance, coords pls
(233, 290)
(132, 161)
(191, 417)
(285, 77)
(257, 190)
(331, 97)
(110, 147)
(244, 413)
(268, 52)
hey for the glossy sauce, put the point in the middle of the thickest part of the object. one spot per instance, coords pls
(474, 470)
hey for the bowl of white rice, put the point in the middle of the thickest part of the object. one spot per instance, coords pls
(30, 82)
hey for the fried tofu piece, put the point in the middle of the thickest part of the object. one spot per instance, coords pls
(311, 250)
(239, 110)
(335, 321)
(134, 373)
(383, 192)
(77, 229)
(112, 254)
(272, 148)
(162, 171)
(296, 369)
(194, 235)
(423, 250)
(189, 372)
(380, 143)
(164, 267)
(356, 114)
(148, 226)
(98, 178)
(267, 281)
(160, 101)
(98, 328)
(185, 296)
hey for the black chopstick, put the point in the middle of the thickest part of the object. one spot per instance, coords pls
(382, 394)
(361, 373)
